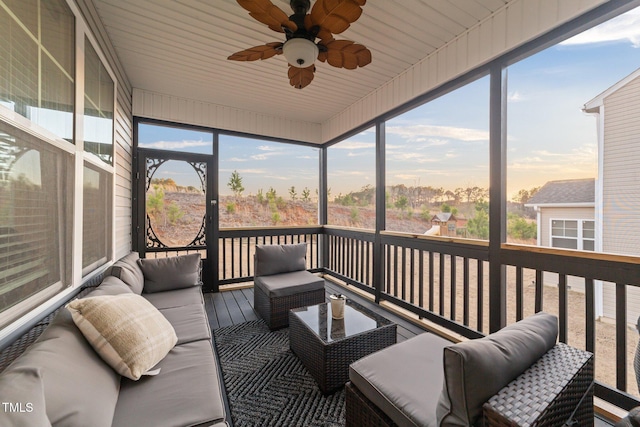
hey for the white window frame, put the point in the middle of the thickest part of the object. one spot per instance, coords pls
(579, 238)
(49, 298)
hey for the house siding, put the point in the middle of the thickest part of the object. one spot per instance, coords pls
(620, 175)
(123, 132)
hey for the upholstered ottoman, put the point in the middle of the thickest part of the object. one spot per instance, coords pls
(281, 282)
(517, 376)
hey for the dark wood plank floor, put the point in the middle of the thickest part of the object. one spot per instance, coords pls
(232, 307)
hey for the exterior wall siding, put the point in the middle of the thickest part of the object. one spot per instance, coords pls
(620, 175)
(123, 133)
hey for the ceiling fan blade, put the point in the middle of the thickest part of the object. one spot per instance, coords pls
(346, 54)
(301, 77)
(266, 12)
(264, 51)
(325, 36)
(335, 16)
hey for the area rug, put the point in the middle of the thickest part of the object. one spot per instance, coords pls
(266, 383)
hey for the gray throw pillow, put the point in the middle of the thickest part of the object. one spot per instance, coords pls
(476, 370)
(166, 274)
(111, 285)
(128, 270)
(276, 259)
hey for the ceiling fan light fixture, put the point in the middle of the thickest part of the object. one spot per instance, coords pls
(300, 52)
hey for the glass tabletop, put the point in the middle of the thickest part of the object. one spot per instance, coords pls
(357, 319)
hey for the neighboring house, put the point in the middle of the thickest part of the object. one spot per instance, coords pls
(617, 110)
(565, 213)
(448, 224)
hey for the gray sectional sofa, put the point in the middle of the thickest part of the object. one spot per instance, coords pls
(67, 384)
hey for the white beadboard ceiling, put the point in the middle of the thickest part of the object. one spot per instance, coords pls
(180, 48)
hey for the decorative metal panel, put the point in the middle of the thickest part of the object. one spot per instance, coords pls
(175, 213)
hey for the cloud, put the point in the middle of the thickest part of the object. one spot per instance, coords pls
(247, 171)
(625, 27)
(515, 97)
(540, 162)
(413, 157)
(407, 177)
(347, 173)
(264, 156)
(268, 148)
(175, 145)
(353, 145)
(236, 159)
(436, 133)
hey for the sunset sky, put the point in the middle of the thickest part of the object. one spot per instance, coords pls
(445, 143)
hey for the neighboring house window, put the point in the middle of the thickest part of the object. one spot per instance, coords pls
(573, 234)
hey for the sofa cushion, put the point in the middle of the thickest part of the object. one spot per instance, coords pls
(80, 389)
(23, 403)
(285, 284)
(189, 321)
(404, 380)
(111, 285)
(476, 370)
(166, 274)
(186, 392)
(177, 298)
(128, 270)
(275, 259)
(127, 331)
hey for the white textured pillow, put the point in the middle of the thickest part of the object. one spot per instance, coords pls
(129, 333)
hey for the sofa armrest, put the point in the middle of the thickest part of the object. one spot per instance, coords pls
(555, 389)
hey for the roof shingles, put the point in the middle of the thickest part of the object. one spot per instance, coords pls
(565, 192)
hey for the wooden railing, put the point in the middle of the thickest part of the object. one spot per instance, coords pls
(236, 247)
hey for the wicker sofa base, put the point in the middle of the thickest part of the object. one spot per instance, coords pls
(558, 388)
(362, 412)
(555, 389)
(275, 311)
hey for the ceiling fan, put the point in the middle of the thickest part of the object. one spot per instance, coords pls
(327, 17)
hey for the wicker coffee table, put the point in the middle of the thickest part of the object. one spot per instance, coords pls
(327, 346)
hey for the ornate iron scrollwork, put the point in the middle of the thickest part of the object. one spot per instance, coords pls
(152, 167)
(201, 170)
(152, 238)
(153, 241)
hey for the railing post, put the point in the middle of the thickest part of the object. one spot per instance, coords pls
(323, 215)
(378, 248)
(497, 199)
